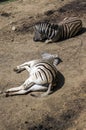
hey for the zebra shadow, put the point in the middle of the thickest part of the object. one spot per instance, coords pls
(59, 82)
(82, 31)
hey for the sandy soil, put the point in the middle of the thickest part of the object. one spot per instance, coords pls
(65, 109)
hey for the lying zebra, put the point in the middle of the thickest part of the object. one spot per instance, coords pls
(42, 75)
(50, 32)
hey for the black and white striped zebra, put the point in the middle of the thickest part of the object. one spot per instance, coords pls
(42, 75)
(49, 32)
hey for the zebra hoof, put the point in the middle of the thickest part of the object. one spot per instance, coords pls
(17, 70)
(5, 94)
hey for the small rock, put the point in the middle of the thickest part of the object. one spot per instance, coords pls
(13, 28)
(11, 22)
(26, 122)
(12, 40)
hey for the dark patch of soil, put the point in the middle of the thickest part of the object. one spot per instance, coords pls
(75, 7)
(64, 121)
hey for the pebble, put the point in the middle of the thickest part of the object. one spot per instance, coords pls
(13, 28)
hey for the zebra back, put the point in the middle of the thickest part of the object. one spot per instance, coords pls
(70, 27)
(43, 73)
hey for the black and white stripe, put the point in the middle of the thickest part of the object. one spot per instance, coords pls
(44, 73)
(69, 27)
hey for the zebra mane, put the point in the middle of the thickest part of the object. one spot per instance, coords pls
(53, 26)
(48, 55)
(51, 57)
(37, 23)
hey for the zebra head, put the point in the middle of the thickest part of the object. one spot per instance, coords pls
(53, 58)
(39, 32)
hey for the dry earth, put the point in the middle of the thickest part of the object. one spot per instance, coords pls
(65, 109)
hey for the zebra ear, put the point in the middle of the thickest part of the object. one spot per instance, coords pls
(48, 56)
(57, 61)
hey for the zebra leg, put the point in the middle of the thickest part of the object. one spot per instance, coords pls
(43, 88)
(20, 92)
(47, 92)
(21, 68)
(13, 89)
(37, 87)
(48, 41)
(25, 66)
(25, 91)
(25, 86)
(16, 91)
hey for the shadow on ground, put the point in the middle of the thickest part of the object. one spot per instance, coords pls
(60, 82)
(62, 122)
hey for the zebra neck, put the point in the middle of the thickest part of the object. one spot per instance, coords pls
(60, 31)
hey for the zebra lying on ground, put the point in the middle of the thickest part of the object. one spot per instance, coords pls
(50, 32)
(42, 75)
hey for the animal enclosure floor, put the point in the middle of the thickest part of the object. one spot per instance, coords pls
(65, 109)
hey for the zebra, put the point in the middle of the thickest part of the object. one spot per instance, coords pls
(50, 32)
(42, 76)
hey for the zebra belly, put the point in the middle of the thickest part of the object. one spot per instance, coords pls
(38, 80)
(37, 87)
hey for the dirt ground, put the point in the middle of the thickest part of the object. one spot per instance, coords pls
(65, 109)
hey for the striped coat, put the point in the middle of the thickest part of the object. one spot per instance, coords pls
(49, 32)
(43, 73)
(70, 27)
